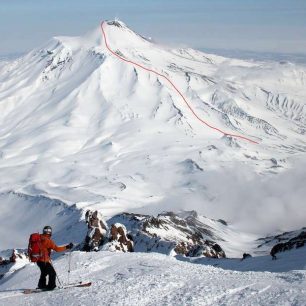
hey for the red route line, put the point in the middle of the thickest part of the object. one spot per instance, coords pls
(176, 89)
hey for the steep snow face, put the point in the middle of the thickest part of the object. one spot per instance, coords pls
(80, 125)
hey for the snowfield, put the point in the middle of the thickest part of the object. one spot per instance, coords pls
(79, 125)
(83, 129)
(153, 279)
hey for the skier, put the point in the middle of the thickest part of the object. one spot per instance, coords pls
(44, 262)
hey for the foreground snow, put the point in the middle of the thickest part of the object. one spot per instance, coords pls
(154, 279)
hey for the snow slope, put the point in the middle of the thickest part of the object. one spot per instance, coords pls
(153, 279)
(79, 125)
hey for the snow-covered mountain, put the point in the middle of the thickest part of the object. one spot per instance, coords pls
(82, 125)
(82, 121)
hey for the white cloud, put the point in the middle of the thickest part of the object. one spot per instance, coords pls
(252, 202)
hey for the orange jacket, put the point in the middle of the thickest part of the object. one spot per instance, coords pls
(47, 245)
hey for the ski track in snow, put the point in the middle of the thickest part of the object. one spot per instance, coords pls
(153, 279)
(176, 89)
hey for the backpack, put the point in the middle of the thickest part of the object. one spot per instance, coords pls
(34, 248)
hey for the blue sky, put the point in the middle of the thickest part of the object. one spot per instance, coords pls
(255, 25)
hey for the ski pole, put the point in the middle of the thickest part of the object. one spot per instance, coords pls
(69, 266)
(56, 274)
(59, 280)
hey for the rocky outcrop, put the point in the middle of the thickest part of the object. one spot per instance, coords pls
(245, 256)
(97, 230)
(284, 242)
(184, 233)
(169, 233)
(14, 262)
(119, 239)
(17, 256)
(210, 249)
(293, 243)
(4, 261)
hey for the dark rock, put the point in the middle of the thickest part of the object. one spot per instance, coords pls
(183, 233)
(274, 161)
(284, 242)
(245, 256)
(16, 255)
(96, 231)
(4, 262)
(276, 249)
(211, 147)
(210, 249)
(119, 239)
(169, 233)
(191, 166)
(115, 23)
(216, 247)
(15, 262)
(293, 243)
(222, 221)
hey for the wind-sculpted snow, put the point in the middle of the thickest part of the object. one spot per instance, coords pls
(81, 126)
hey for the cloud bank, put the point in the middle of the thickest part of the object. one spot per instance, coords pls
(254, 203)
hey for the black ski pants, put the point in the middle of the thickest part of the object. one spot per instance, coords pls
(46, 269)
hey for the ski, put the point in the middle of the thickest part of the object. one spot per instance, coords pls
(80, 284)
(30, 291)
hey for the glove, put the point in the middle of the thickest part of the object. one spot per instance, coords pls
(69, 246)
